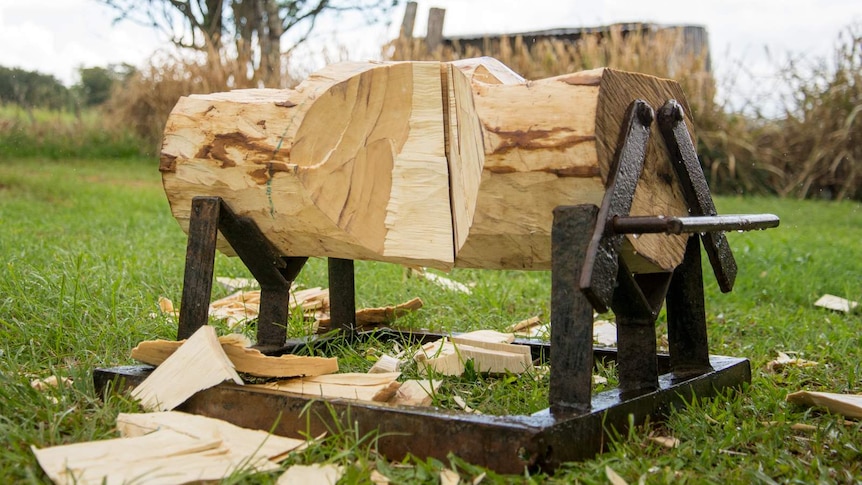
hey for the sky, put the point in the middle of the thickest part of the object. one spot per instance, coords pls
(59, 36)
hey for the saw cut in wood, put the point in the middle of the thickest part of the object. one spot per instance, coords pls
(420, 163)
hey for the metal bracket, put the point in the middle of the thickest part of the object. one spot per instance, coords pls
(209, 216)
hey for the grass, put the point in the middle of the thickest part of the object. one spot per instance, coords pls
(88, 247)
(58, 135)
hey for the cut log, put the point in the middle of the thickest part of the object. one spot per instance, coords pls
(551, 142)
(421, 163)
(244, 359)
(198, 364)
(350, 164)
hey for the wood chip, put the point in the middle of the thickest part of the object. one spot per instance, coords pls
(198, 364)
(449, 477)
(385, 363)
(166, 305)
(50, 382)
(357, 386)
(243, 305)
(441, 281)
(416, 393)
(366, 317)
(378, 478)
(836, 303)
(248, 442)
(605, 333)
(614, 477)
(315, 474)
(463, 405)
(784, 360)
(489, 336)
(247, 360)
(666, 441)
(524, 325)
(849, 405)
(448, 358)
(234, 284)
(163, 456)
(803, 427)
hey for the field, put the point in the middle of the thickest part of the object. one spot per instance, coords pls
(89, 246)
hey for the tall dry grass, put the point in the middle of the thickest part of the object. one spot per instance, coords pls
(145, 100)
(659, 52)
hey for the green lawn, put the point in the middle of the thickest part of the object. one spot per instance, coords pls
(88, 247)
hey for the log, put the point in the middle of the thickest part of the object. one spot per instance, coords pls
(547, 143)
(350, 164)
(420, 163)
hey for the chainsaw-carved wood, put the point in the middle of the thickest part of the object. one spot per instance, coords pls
(420, 163)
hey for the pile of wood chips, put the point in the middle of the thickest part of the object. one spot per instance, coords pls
(163, 446)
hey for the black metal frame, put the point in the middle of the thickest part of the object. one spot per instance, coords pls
(587, 274)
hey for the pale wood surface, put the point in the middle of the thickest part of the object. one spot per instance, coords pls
(448, 357)
(243, 441)
(247, 360)
(551, 142)
(350, 164)
(416, 392)
(314, 474)
(849, 405)
(198, 364)
(162, 457)
(358, 386)
(421, 163)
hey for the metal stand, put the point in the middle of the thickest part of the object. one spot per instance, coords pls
(587, 274)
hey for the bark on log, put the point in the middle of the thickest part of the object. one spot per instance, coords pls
(420, 163)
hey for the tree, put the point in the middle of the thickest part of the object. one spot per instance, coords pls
(31, 89)
(96, 83)
(250, 31)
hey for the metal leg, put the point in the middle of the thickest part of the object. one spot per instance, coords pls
(200, 258)
(571, 311)
(342, 296)
(636, 355)
(686, 315)
(273, 272)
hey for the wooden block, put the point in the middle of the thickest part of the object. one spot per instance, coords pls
(386, 363)
(449, 357)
